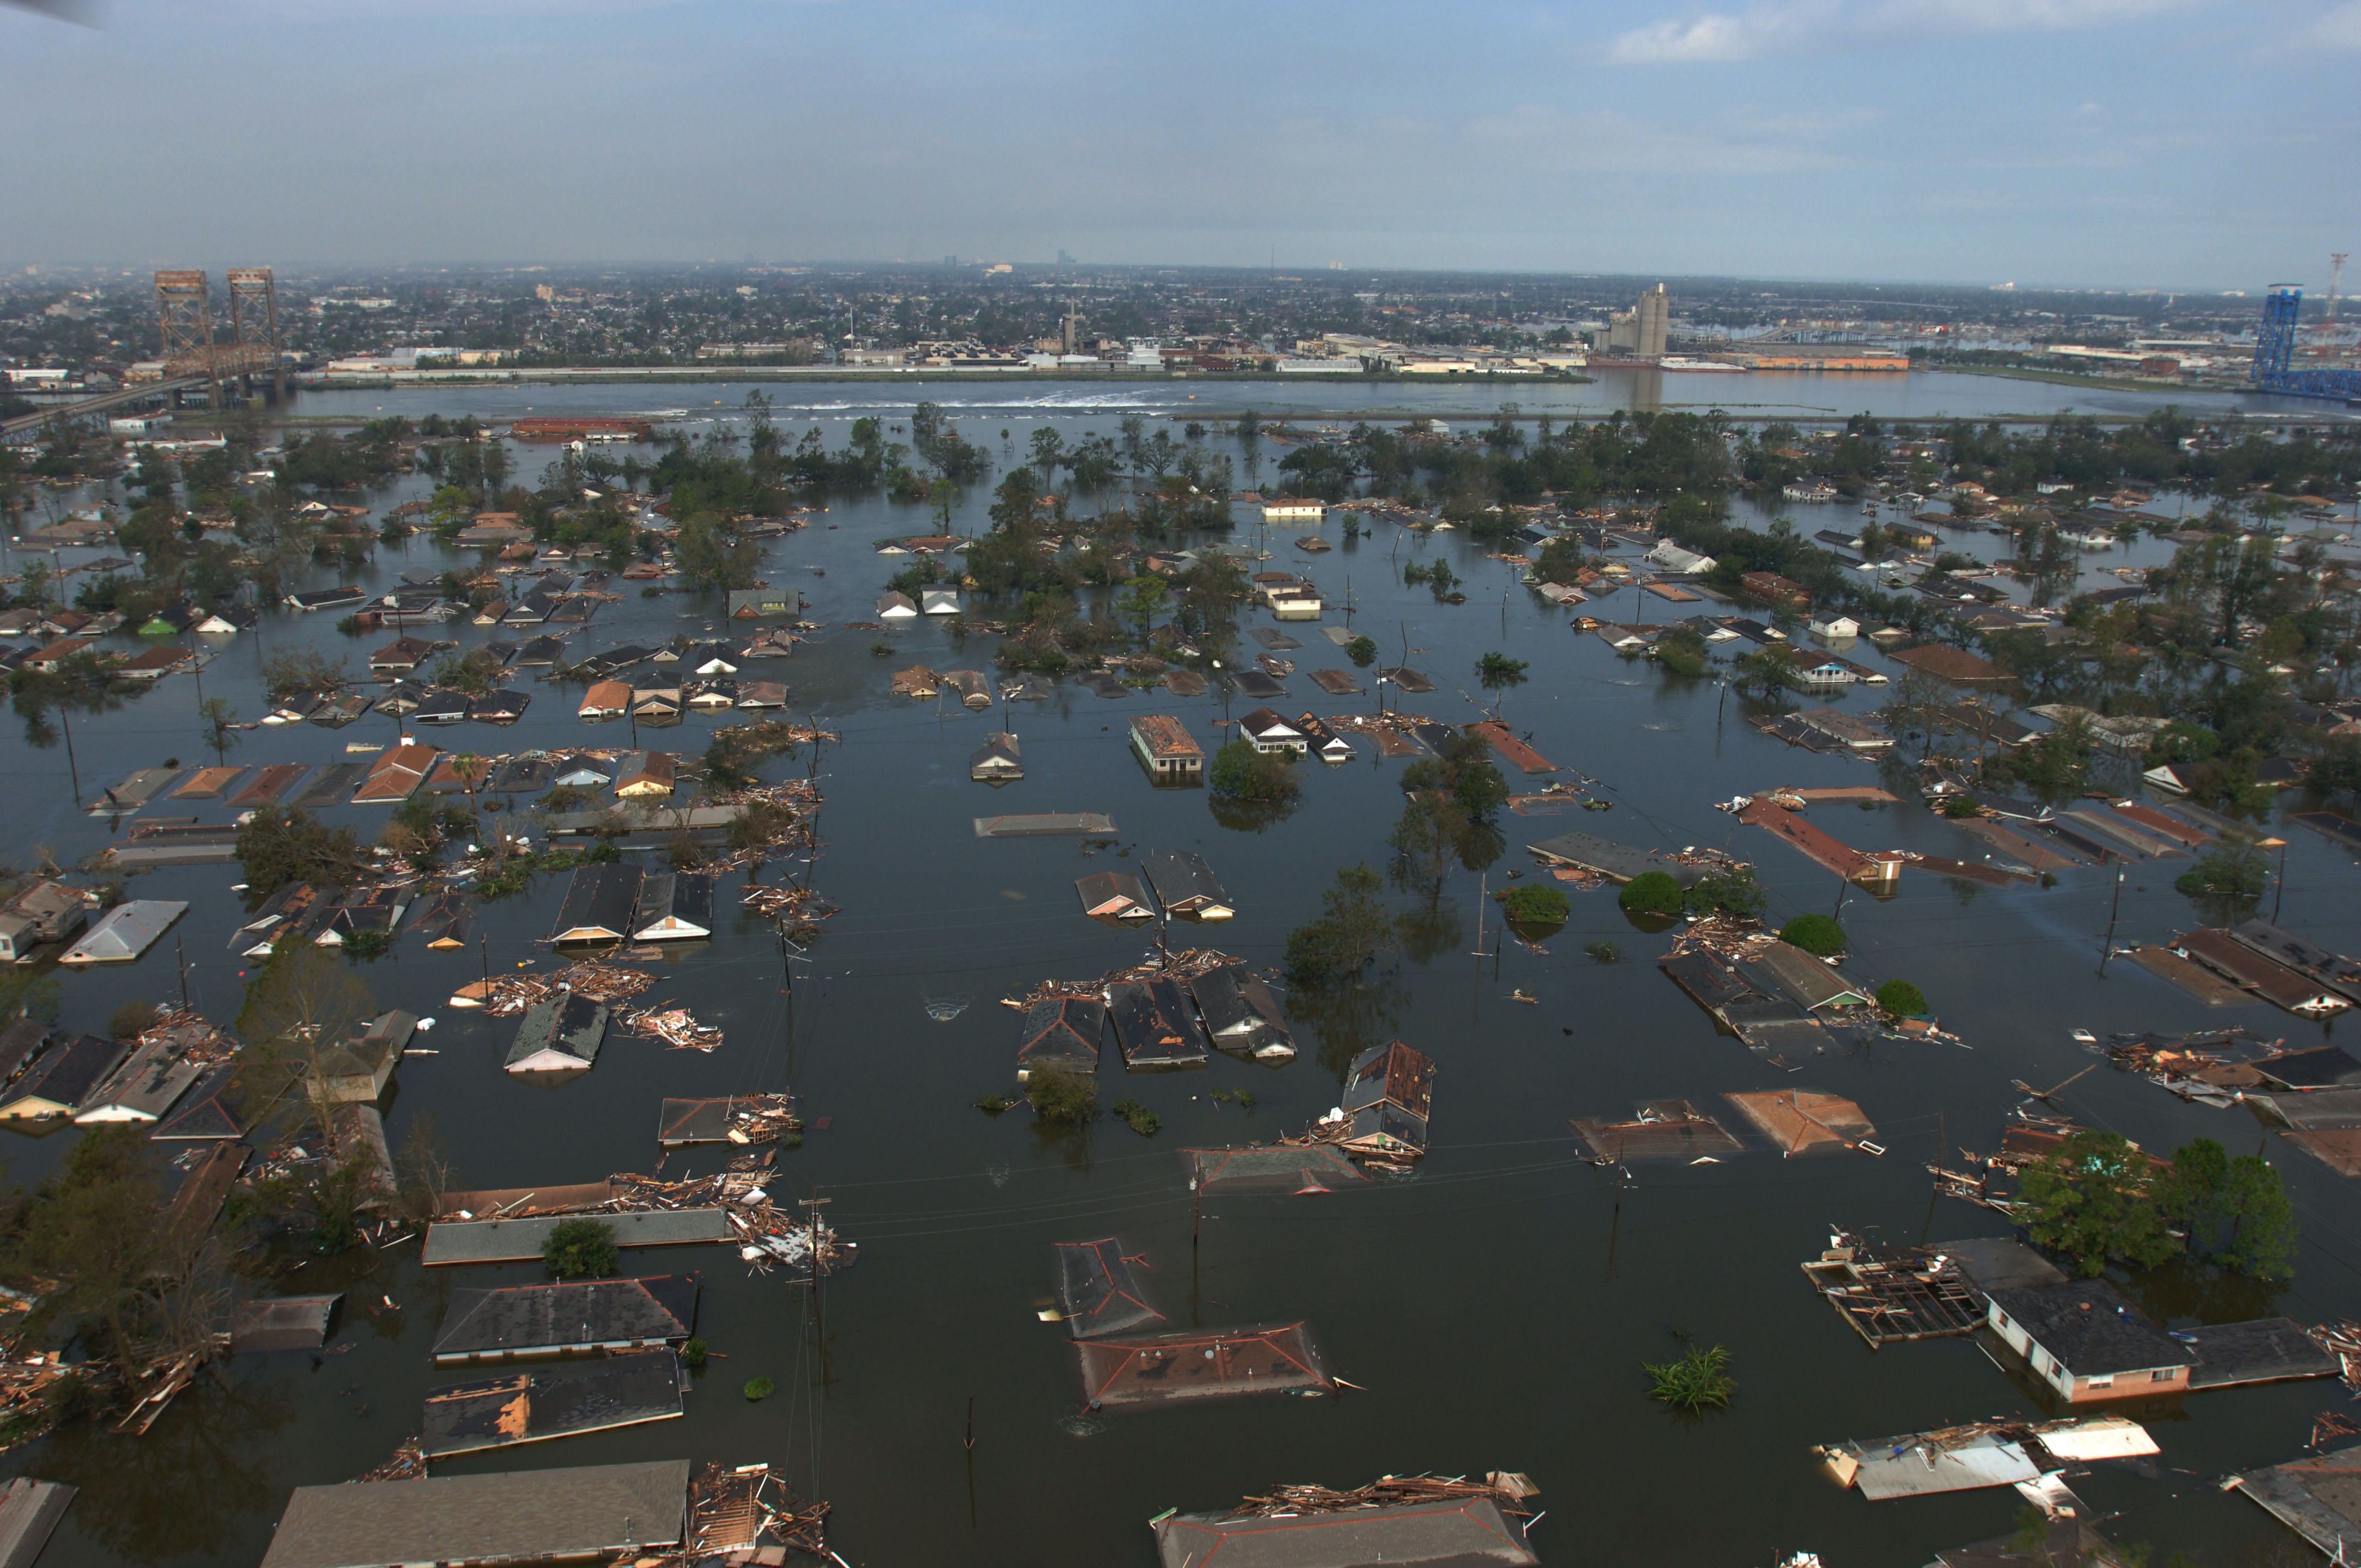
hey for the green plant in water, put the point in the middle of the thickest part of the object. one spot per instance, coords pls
(1063, 1097)
(1604, 952)
(1141, 1119)
(1700, 1380)
(579, 1249)
(1902, 999)
(1531, 904)
(693, 1355)
(994, 1104)
(1650, 892)
(759, 1388)
(1817, 935)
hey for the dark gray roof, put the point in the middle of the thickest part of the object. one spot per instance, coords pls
(1182, 878)
(571, 1025)
(1063, 1032)
(517, 1320)
(1462, 1534)
(29, 1512)
(554, 1399)
(205, 1112)
(1620, 861)
(20, 1042)
(2091, 1328)
(677, 895)
(601, 1510)
(1156, 1024)
(68, 1073)
(598, 899)
(2264, 1349)
(281, 1323)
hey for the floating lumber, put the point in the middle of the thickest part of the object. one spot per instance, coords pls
(520, 1241)
(1891, 1295)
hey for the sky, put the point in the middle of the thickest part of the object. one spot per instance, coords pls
(2178, 144)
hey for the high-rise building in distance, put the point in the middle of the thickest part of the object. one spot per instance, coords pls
(1639, 331)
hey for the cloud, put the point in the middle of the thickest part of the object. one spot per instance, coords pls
(1717, 36)
(2338, 29)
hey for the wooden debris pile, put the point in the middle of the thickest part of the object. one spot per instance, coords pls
(26, 1384)
(796, 906)
(407, 1464)
(748, 1506)
(1187, 964)
(2342, 1341)
(1509, 1490)
(766, 1235)
(609, 984)
(188, 1035)
(1724, 936)
(677, 1026)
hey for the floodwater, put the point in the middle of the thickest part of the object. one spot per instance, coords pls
(1493, 1309)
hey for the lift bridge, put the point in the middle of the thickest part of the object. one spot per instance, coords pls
(225, 368)
(2275, 349)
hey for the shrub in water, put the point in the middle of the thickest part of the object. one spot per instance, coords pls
(1533, 906)
(1902, 999)
(1697, 1381)
(1061, 1097)
(1650, 892)
(759, 1388)
(579, 1249)
(1815, 934)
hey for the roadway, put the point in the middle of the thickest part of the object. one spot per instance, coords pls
(25, 424)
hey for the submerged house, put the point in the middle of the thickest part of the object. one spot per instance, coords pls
(1167, 751)
(1241, 1014)
(1113, 896)
(600, 905)
(1061, 1032)
(583, 1317)
(643, 775)
(58, 1084)
(357, 1071)
(1154, 1024)
(1186, 884)
(125, 932)
(45, 912)
(997, 761)
(145, 1086)
(2089, 1343)
(1385, 1102)
(1265, 731)
(561, 1035)
(673, 907)
(1806, 981)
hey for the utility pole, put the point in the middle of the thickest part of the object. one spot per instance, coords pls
(181, 957)
(811, 1208)
(2112, 910)
(2279, 895)
(483, 952)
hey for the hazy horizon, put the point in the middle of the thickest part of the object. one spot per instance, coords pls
(2184, 146)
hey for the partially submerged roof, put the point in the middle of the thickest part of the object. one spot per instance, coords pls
(1659, 1129)
(58, 1084)
(29, 1512)
(2090, 1328)
(1241, 1014)
(125, 932)
(519, 1239)
(594, 1512)
(1463, 1533)
(500, 1322)
(281, 1323)
(1806, 979)
(559, 1034)
(1198, 1364)
(1185, 882)
(1062, 1032)
(1155, 1025)
(673, 907)
(1113, 896)
(600, 902)
(554, 1399)
(2319, 1498)
(1798, 1120)
(1616, 863)
(1294, 1168)
(1097, 1291)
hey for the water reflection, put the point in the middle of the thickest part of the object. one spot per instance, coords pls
(190, 1485)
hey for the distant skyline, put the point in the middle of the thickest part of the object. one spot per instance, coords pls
(2188, 145)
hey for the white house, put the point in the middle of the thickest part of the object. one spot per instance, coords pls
(1671, 557)
(1836, 626)
(2083, 1339)
(1266, 731)
(897, 606)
